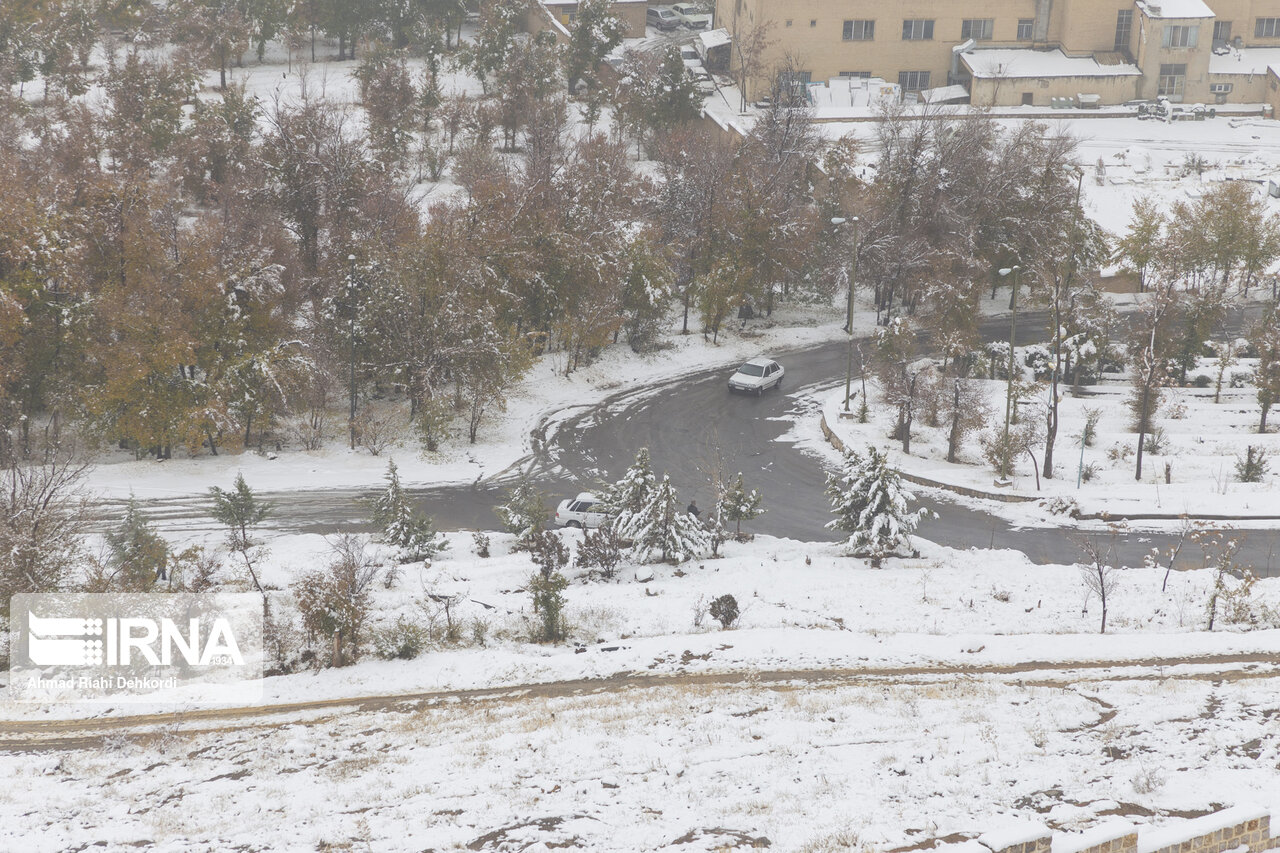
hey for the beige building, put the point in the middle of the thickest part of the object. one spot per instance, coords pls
(1010, 52)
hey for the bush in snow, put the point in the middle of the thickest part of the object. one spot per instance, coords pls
(335, 600)
(241, 511)
(403, 639)
(1253, 466)
(402, 526)
(600, 549)
(137, 556)
(725, 611)
(662, 529)
(481, 541)
(737, 504)
(524, 513)
(871, 506)
(547, 585)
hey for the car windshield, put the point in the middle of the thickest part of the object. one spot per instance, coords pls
(751, 369)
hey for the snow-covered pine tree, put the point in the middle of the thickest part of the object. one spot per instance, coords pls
(626, 499)
(738, 504)
(664, 529)
(525, 512)
(410, 531)
(871, 506)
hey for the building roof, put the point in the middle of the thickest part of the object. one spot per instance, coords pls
(1175, 8)
(714, 38)
(1017, 63)
(1252, 60)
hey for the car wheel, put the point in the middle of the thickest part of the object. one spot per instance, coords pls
(759, 390)
(778, 384)
(574, 525)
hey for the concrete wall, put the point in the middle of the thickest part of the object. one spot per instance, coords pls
(1008, 92)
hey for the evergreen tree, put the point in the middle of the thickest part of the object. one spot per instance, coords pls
(137, 555)
(240, 511)
(626, 499)
(737, 504)
(525, 512)
(410, 531)
(664, 529)
(871, 506)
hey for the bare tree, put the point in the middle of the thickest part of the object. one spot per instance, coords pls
(41, 522)
(1098, 573)
(967, 409)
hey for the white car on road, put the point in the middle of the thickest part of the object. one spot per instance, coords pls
(581, 512)
(756, 376)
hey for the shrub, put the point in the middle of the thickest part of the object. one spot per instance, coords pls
(1200, 380)
(403, 639)
(481, 541)
(725, 611)
(600, 549)
(1253, 466)
(1155, 441)
(1091, 418)
(1088, 472)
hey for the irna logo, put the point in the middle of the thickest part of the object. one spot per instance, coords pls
(70, 641)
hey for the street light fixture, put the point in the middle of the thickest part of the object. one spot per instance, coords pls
(351, 335)
(837, 221)
(1015, 271)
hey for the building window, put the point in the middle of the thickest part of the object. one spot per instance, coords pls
(1028, 99)
(978, 29)
(1181, 36)
(1025, 26)
(1124, 29)
(858, 75)
(918, 29)
(913, 81)
(1221, 31)
(788, 22)
(1172, 81)
(859, 30)
(813, 23)
(1267, 28)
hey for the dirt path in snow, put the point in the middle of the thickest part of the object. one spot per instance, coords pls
(39, 735)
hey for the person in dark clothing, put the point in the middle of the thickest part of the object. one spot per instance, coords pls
(693, 509)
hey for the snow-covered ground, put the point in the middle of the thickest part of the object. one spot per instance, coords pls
(1201, 441)
(925, 717)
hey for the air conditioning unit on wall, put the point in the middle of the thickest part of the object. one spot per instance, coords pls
(1220, 88)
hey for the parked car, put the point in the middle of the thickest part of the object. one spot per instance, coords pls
(662, 17)
(690, 57)
(580, 512)
(756, 376)
(692, 16)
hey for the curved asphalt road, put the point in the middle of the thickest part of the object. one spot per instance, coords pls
(683, 426)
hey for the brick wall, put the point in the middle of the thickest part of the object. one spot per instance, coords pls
(1239, 828)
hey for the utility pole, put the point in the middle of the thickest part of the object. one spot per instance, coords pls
(1008, 397)
(351, 335)
(848, 319)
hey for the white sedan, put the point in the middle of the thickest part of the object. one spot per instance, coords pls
(756, 376)
(581, 512)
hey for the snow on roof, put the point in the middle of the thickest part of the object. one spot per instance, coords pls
(1175, 9)
(942, 94)
(1253, 60)
(1026, 62)
(714, 38)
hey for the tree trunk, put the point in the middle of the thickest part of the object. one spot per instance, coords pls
(1142, 430)
(953, 439)
(1262, 424)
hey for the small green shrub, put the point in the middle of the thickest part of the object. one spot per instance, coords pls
(725, 611)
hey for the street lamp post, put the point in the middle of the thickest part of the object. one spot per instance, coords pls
(351, 336)
(848, 311)
(1008, 397)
